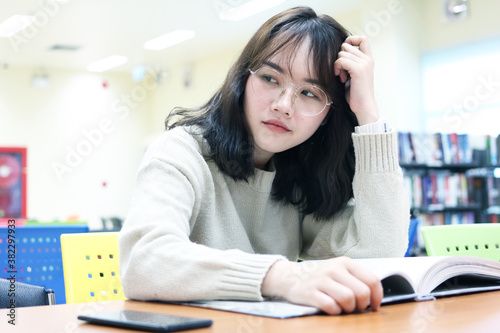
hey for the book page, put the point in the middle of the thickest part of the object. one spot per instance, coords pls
(274, 308)
(427, 273)
(480, 273)
(412, 268)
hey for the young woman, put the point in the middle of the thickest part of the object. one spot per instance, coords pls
(288, 160)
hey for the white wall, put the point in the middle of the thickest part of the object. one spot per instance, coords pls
(468, 97)
(206, 77)
(393, 29)
(79, 135)
(482, 23)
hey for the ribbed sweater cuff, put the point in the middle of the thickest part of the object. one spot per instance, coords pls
(376, 153)
(243, 278)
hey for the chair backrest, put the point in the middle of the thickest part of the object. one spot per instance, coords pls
(38, 254)
(477, 240)
(412, 232)
(17, 294)
(91, 267)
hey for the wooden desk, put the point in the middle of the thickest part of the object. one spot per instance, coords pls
(477, 313)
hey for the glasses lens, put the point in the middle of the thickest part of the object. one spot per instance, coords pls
(310, 100)
(267, 83)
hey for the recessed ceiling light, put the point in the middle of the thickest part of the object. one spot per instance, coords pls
(172, 38)
(14, 24)
(235, 13)
(107, 63)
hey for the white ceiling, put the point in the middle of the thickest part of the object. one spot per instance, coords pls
(101, 28)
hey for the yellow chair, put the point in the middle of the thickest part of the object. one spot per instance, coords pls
(477, 240)
(91, 267)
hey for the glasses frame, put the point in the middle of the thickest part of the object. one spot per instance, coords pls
(328, 103)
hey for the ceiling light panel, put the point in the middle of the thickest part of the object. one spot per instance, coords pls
(172, 38)
(232, 10)
(107, 63)
(14, 24)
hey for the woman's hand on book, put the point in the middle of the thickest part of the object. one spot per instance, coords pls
(335, 285)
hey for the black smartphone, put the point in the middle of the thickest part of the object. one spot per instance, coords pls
(146, 321)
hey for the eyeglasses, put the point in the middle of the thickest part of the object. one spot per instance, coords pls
(309, 100)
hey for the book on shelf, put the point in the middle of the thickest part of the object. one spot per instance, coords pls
(493, 190)
(405, 148)
(403, 280)
(492, 149)
(446, 217)
(498, 149)
(441, 187)
(435, 149)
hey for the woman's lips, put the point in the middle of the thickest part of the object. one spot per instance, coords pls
(276, 126)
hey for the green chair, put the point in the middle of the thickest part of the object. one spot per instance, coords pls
(477, 240)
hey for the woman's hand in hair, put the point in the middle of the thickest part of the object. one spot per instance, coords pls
(354, 66)
(335, 285)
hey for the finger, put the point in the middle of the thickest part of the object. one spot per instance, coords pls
(372, 282)
(361, 292)
(325, 303)
(336, 68)
(341, 68)
(344, 76)
(361, 42)
(341, 294)
(352, 51)
(347, 60)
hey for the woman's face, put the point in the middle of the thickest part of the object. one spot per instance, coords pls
(274, 123)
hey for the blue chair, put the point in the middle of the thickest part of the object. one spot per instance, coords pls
(38, 259)
(412, 233)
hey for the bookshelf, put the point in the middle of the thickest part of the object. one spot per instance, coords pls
(451, 178)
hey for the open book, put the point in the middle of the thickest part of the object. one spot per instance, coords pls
(423, 278)
(403, 279)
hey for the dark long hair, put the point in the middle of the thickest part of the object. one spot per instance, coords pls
(316, 176)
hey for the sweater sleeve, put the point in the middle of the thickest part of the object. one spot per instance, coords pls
(376, 223)
(157, 259)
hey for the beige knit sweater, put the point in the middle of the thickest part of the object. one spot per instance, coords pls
(194, 233)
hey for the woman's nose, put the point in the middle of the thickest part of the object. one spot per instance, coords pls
(285, 100)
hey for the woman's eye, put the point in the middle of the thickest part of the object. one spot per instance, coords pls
(308, 93)
(269, 78)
